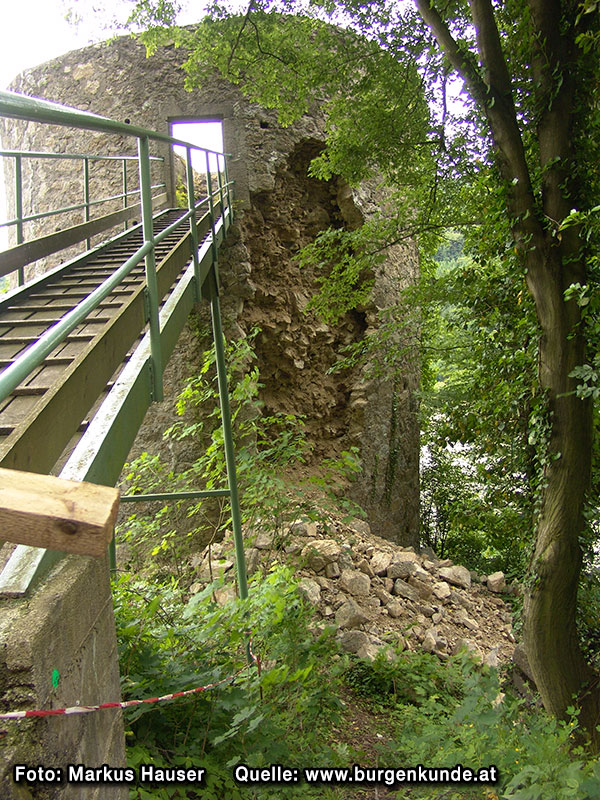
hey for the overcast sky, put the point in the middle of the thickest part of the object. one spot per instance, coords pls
(33, 31)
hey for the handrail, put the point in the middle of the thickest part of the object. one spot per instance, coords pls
(27, 252)
(22, 107)
(15, 106)
(77, 207)
(12, 375)
(77, 156)
(30, 109)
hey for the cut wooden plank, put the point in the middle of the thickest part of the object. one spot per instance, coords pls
(44, 511)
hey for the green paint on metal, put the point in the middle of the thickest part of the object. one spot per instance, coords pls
(236, 517)
(112, 557)
(193, 228)
(150, 261)
(19, 210)
(105, 446)
(211, 208)
(34, 355)
(86, 195)
(124, 174)
(228, 185)
(16, 106)
(148, 498)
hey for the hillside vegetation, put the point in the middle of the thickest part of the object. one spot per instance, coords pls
(326, 673)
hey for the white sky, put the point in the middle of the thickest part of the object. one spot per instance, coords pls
(33, 31)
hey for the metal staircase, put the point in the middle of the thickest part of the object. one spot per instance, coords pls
(83, 347)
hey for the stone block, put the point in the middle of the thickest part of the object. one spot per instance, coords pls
(496, 582)
(456, 575)
(402, 589)
(310, 590)
(355, 582)
(380, 562)
(350, 615)
(353, 640)
(320, 552)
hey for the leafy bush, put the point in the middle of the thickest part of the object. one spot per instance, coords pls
(588, 615)
(169, 642)
(444, 714)
(408, 678)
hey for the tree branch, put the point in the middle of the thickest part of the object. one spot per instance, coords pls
(462, 62)
(496, 102)
(491, 54)
(240, 32)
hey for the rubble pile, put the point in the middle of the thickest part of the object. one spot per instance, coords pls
(378, 593)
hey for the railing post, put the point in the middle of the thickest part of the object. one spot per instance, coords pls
(220, 180)
(227, 186)
(150, 261)
(193, 229)
(236, 517)
(112, 557)
(86, 195)
(211, 208)
(19, 210)
(125, 199)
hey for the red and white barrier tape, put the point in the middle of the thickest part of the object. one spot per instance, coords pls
(127, 703)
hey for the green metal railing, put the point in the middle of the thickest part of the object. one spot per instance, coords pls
(18, 156)
(19, 107)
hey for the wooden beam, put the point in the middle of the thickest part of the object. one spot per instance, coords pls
(49, 512)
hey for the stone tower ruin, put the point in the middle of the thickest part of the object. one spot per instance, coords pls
(279, 209)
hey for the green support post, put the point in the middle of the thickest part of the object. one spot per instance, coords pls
(211, 208)
(150, 261)
(86, 195)
(236, 517)
(229, 206)
(193, 229)
(19, 209)
(220, 181)
(125, 200)
(112, 556)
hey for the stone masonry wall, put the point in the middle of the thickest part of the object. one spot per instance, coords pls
(279, 209)
(67, 624)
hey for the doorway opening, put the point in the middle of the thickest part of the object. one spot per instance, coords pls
(206, 133)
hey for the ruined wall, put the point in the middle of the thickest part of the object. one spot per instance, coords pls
(279, 209)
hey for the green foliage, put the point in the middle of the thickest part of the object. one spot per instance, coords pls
(436, 713)
(403, 679)
(510, 161)
(484, 424)
(181, 195)
(443, 714)
(169, 641)
(588, 615)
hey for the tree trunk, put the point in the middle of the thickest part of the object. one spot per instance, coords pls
(561, 673)
(552, 264)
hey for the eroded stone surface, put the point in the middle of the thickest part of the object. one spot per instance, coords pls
(457, 576)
